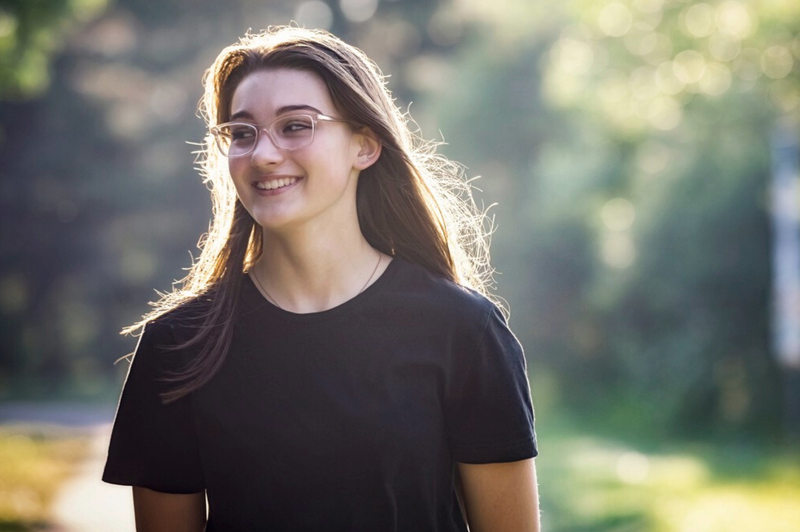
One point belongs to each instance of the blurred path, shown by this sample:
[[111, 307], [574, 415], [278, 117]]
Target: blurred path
[[84, 503], [68, 416]]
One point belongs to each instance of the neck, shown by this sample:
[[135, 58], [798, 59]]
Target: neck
[[312, 269]]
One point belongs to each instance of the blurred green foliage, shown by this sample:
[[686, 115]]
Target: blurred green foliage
[[625, 143], [31, 33], [628, 146]]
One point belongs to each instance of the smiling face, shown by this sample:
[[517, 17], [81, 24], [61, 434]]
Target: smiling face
[[313, 184]]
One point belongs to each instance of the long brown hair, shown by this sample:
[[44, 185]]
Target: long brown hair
[[412, 203]]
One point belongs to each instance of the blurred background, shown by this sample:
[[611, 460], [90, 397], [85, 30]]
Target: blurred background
[[643, 159]]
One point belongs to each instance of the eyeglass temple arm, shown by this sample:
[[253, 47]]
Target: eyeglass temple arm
[[330, 118]]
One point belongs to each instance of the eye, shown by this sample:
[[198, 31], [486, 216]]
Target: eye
[[239, 133], [295, 126]]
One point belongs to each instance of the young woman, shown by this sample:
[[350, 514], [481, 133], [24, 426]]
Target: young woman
[[332, 361]]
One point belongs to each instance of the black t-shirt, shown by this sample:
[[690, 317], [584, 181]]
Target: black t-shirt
[[351, 419]]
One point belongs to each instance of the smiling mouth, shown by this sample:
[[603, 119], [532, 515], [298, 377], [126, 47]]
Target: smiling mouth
[[276, 183]]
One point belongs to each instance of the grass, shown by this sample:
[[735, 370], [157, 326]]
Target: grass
[[33, 465], [605, 485]]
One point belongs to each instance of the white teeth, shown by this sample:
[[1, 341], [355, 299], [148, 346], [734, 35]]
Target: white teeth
[[275, 183]]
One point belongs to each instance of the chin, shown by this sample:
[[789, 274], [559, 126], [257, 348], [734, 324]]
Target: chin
[[274, 221]]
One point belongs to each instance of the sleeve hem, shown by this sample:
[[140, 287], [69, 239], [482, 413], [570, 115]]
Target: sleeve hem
[[155, 486], [515, 450]]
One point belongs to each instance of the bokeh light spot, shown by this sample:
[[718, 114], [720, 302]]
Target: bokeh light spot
[[689, 66], [615, 19], [358, 10], [618, 214], [428, 73], [699, 20], [776, 62], [736, 19], [314, 14], [126, 121]]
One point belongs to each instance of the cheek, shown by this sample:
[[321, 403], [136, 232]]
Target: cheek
[[337, 157], [237, 167]]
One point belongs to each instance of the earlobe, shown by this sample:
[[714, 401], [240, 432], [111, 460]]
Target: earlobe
[[368, 153]]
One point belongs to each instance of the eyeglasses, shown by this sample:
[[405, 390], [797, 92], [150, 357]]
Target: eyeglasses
[[237, 139]]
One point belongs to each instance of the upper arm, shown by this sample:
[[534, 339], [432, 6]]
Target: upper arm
[[169, 512], [501, 497]]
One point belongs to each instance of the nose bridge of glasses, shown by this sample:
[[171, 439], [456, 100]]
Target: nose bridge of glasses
[[254, 148], [269, 134]]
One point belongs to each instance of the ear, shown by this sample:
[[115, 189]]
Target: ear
[[369, 150]]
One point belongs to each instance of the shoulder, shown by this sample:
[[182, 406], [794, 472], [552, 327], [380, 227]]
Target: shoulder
[[178, 324], [437, 296], [163, 344]]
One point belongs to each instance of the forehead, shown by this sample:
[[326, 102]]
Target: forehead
[[263, 92]]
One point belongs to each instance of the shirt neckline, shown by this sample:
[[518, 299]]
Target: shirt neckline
[[262, 304]]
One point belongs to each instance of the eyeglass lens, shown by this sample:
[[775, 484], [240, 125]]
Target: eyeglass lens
[[288, 133]]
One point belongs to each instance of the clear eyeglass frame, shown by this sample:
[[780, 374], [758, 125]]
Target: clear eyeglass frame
[[223, 133]]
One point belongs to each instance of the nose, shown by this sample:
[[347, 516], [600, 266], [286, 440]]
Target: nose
[[265, 152]]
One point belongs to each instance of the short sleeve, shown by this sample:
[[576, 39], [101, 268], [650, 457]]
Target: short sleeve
[[153, 445], [490, 415]]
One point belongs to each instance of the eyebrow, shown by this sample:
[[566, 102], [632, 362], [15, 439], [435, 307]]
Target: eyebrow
[[281, 110]]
